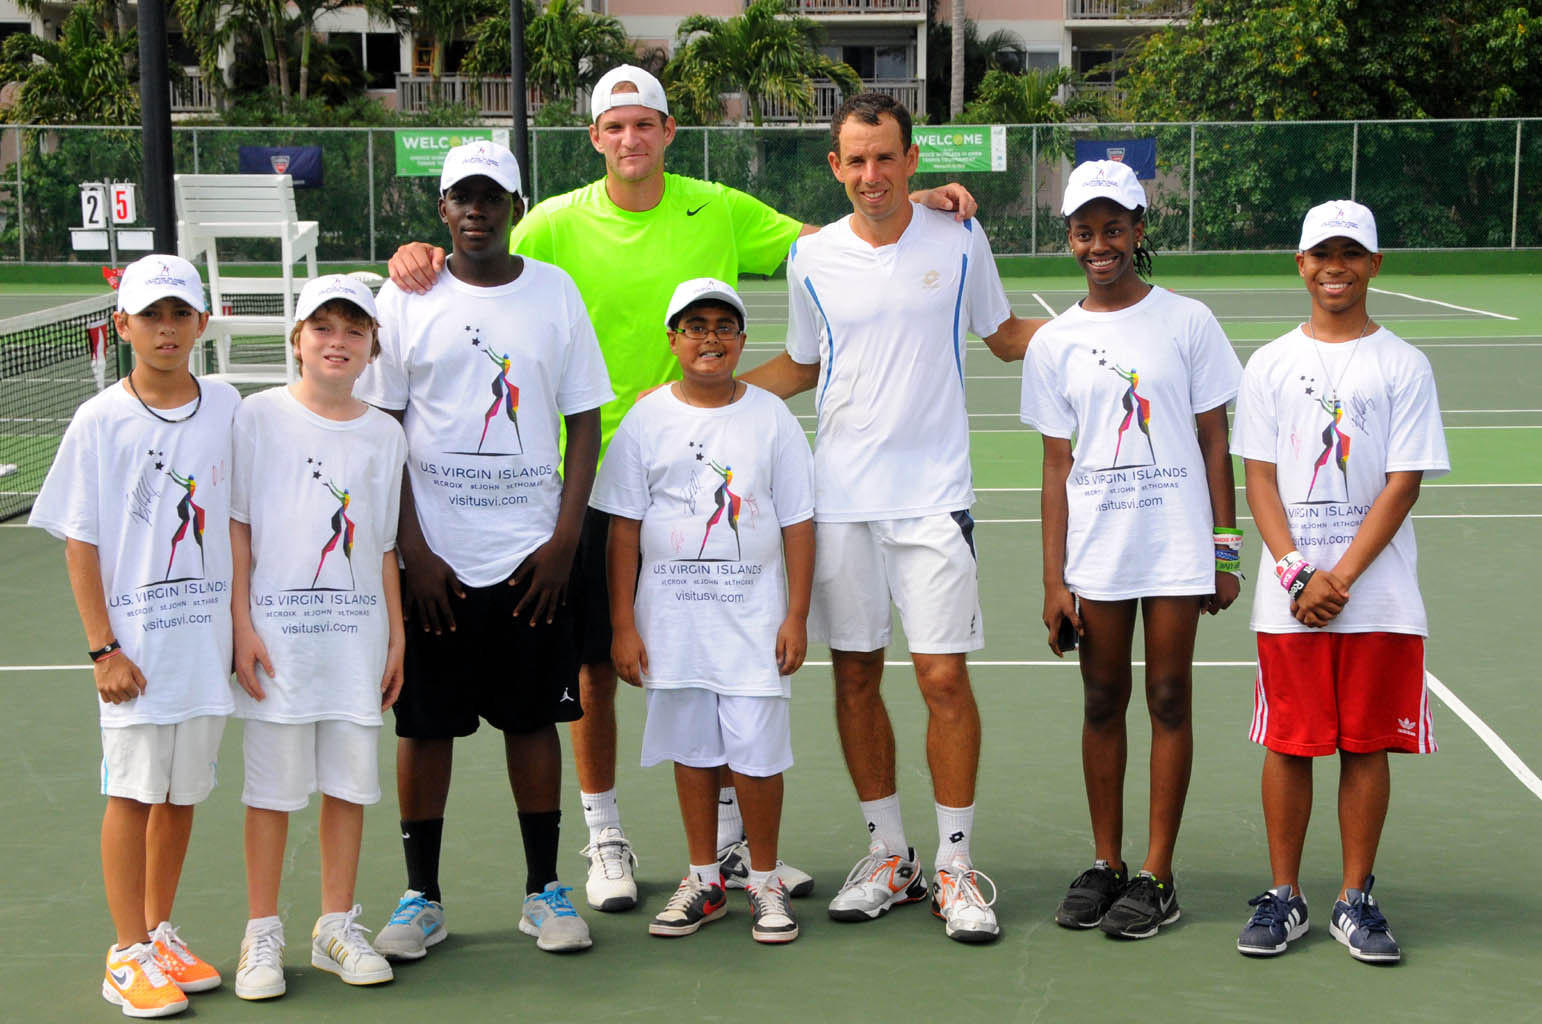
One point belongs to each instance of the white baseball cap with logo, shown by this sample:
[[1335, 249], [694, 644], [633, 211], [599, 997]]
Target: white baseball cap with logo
[[703, 289], [156, 277], [480, 157], [1341, 218], [649, 92], [1102, 179], [321, 290]]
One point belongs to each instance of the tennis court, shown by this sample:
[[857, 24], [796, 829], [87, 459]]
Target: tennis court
[[1453, 875]]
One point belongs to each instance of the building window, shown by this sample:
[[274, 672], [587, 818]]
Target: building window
[[872, 63], [382, 58]]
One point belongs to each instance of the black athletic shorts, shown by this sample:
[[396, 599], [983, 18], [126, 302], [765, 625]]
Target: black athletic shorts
[[589, 592], [517, 676]]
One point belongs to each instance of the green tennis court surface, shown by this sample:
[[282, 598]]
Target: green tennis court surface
[[1453, 877]]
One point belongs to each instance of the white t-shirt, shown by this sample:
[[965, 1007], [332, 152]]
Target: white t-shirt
[[322, 498], [154, 498], [485, 376], [1124, 388], [1332, 458], [886, 326], [713, 489]]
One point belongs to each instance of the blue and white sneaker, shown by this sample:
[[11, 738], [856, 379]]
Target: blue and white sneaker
[[1278, 920], [550, 917], [416, 924], [1358, 924]]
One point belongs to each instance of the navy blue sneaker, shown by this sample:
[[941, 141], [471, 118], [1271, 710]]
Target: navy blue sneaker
[[1278, 920], [1358, 924]]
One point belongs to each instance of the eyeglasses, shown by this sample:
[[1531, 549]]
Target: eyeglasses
[[696, 332]]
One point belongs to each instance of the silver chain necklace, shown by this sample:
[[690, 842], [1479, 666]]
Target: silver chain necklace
[[1328, 377]]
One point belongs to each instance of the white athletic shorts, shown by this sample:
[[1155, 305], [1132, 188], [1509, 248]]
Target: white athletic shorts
[[157, 764], [925, 565], [703, 729], [286, 763]]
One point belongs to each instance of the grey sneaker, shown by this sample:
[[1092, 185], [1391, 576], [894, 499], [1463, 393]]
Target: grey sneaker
[[772, 919], [878, 882], [416, 924], [550, 917]]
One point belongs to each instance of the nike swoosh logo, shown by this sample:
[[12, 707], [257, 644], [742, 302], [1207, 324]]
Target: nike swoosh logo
[[726, 803], [406, 835], [692, 213], [121, 976], [430, 928]]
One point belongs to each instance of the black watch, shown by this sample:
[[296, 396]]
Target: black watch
[[102, 652]]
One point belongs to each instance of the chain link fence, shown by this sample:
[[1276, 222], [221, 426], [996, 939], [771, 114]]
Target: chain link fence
[[1218, 187]]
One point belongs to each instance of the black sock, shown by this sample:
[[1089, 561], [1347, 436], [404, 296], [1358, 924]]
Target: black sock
[[420, 842], [539, 829]]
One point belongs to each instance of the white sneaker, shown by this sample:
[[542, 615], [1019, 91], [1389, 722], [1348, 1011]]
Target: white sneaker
[[733, 861], [416, 924], [611, 885], [260, 971], [956, 898], [550, 917], [878, 882], [772, 918], [338, 945]]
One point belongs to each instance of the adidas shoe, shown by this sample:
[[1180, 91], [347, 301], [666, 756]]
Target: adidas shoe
[[1278, 920], [178, 962], [878, 882], [733, 861], [550, 917], [1358, 924], [610, 886], [416, 924], [260, 971], [339, 947], [693, 905], [1146, 905], [135, 982], [1090, 896], [771, 917], [957, 900]]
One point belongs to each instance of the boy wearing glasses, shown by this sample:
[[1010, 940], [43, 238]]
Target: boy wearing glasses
[[709, 485]]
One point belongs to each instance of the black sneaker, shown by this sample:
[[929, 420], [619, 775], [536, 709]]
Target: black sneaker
[[1146, 905], [1090, 896]]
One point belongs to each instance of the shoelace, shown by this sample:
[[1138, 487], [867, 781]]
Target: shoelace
[[1144, 888], [1272, 911], [265, 947], [966, 888], [166, 934], [353, 933], [685, 895], [614, 855], [771, 901], [1366, 916], [865, 869], [408, 909], [557, 901], [1093, 876], [144, 955]]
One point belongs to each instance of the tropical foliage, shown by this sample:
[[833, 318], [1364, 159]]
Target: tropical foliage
[[88, 76], [1031, 97], [567, 49]]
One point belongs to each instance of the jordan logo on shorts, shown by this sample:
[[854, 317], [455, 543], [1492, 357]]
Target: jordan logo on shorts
[[565, 696]]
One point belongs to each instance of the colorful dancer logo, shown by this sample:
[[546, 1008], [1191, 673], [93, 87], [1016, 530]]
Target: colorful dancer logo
[[1334, 442], [724, 498], [1137, 409], [505, 393], [342, 529], [189, 512]]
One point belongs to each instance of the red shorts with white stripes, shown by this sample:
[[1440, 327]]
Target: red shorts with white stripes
[[1319, 692]]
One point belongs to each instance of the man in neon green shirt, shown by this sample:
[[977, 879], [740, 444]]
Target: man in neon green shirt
[[628, 240]]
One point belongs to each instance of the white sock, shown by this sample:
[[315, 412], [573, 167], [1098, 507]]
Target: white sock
[[954, 824], [730, 823], [601, 812], [258, 924], [885, 830], [758, 880], [708, 874]]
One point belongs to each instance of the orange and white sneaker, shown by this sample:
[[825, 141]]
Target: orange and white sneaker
[[136, 982], [956, 898], [189, 972], [879, 881]]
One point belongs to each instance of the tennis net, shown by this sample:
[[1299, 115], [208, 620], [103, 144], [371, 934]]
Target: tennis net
[[50, 362]]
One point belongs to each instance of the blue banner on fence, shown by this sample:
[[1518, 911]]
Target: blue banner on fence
[[1140, 154], [302, 163]]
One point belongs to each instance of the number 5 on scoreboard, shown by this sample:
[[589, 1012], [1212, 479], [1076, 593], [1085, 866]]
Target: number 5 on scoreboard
[[123, 203]]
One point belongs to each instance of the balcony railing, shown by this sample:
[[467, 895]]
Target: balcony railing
[[192, 95], [1140, 10], [817, 7], [827, 97], [491, 96]]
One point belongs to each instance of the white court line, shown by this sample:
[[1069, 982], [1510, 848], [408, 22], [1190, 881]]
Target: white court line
[[1508, 757], [1249, 519], [1475, 426], [1047, 307], [1448, 305], [1240, 487]]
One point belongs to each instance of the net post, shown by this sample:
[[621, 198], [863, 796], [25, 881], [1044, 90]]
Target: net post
[[1515, 190]]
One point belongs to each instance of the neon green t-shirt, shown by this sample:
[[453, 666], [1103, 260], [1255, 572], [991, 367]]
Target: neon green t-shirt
[[627, 265]]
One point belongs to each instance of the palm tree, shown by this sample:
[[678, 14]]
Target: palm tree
[[760, 53], [310, 10], [567, 49], [956, 60], [211, 25], [88, 76], [1030, 98]]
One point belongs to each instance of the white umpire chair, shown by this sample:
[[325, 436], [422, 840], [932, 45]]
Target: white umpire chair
[[211, 207]]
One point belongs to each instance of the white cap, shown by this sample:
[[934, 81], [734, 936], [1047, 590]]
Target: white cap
[[1102, 179], [319, 291], [1342, 218], [480, 157], [703, 289], [155, 277], [649, 92]]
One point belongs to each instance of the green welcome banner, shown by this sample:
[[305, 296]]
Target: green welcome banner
[[954, 148], [420, 152]]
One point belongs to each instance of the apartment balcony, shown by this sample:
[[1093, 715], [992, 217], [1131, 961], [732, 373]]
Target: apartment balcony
[[901, 10], [491, 96], [1143, 13], [193, 94], [827, 97]]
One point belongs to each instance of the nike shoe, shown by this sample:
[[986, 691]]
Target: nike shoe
[[956, 898], [877, 883], [339, 947], [733, 861], [260, 971], [611, 885], [178, 962], [550, 917], [1279, 918], [771, 917], [1357, 923], [416, 924], [1090, 896], [1146, 905], [693, 905], [135, 982]]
